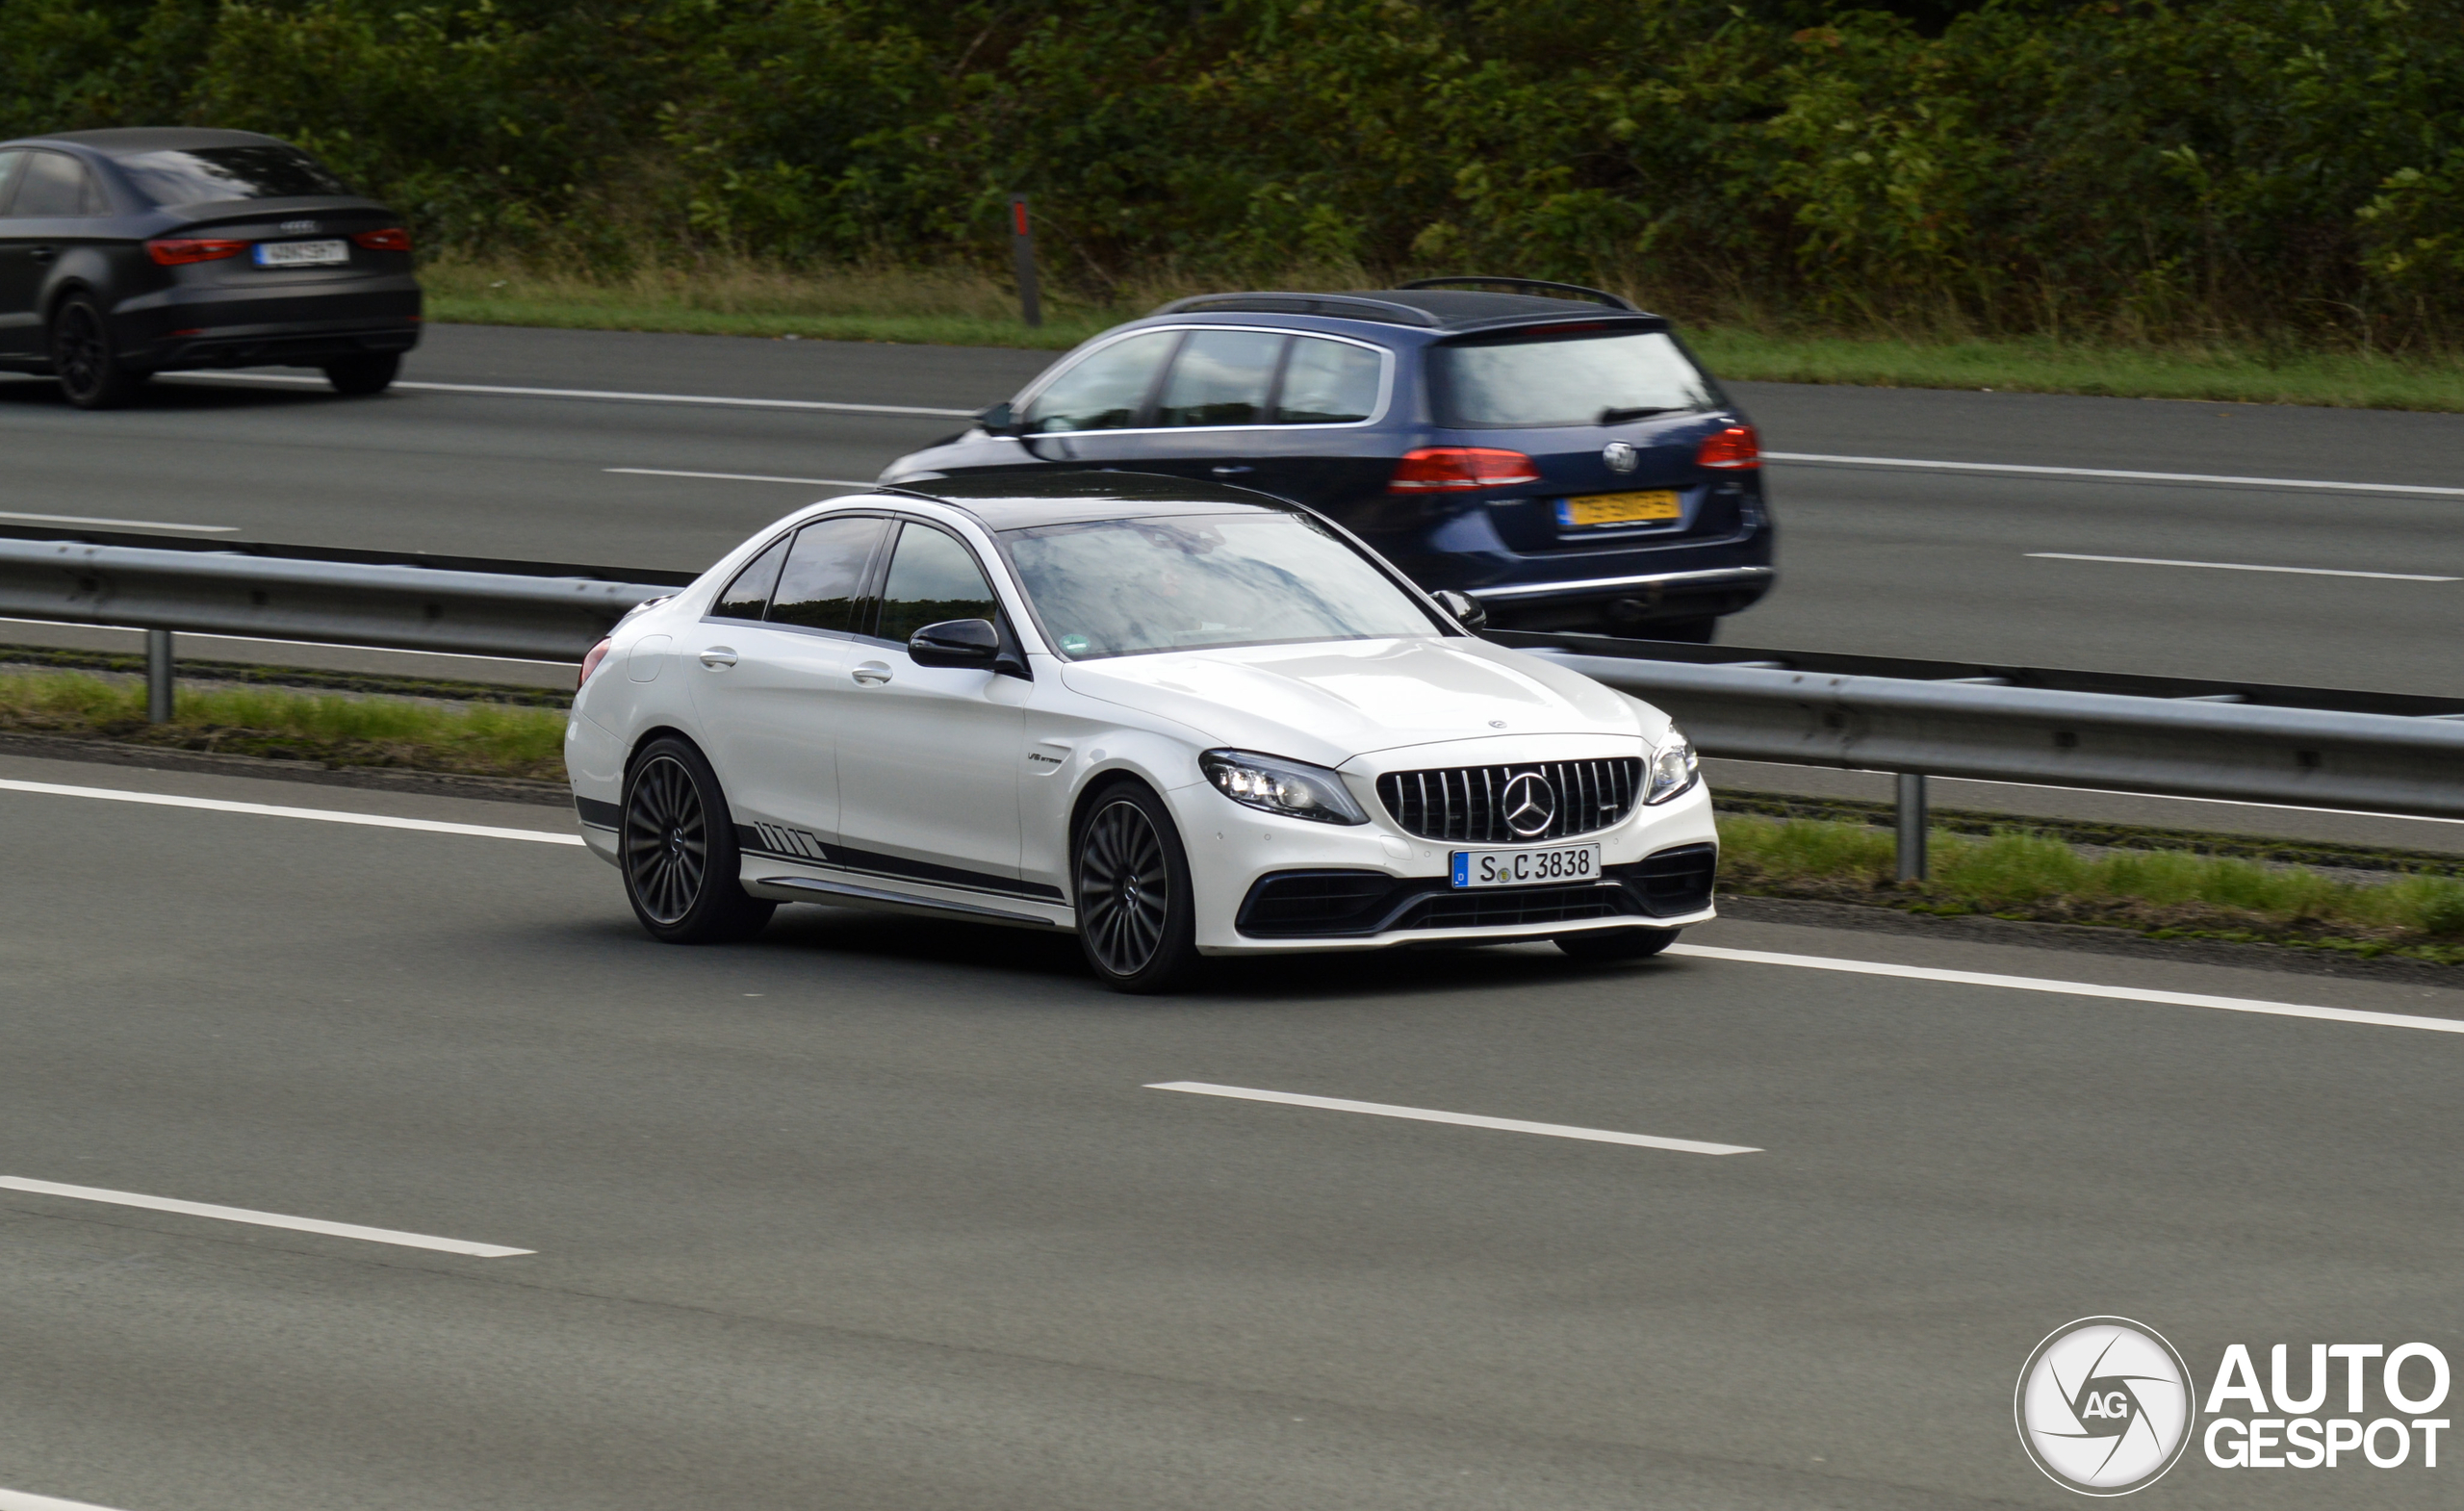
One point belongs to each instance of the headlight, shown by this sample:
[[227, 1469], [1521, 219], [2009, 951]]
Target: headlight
[[1281, 786], [1674, 769]]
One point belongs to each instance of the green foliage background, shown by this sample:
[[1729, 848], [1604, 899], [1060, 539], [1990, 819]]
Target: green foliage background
[[2293, 167]]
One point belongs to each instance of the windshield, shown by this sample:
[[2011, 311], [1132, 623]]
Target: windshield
[[1562, 380], [199, 175], [1121, 587]]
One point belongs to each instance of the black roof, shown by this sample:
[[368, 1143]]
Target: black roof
[[1016, 501], [1430, 308], [128, 141]]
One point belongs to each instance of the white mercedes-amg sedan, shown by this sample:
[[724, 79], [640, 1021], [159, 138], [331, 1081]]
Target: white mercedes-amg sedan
[[1177, 719]]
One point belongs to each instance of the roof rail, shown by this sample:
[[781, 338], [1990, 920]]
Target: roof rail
[[1349, 306], [1602, 296]]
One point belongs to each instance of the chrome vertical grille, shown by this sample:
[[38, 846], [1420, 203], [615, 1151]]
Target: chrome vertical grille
[[1466, 805]]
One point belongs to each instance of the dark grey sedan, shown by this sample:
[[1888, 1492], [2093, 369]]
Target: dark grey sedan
[[131, 252]]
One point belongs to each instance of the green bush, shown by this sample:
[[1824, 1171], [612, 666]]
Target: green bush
[[2140, 170]]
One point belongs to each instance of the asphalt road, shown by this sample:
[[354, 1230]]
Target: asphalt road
[[1887, 560], [874, 1213]]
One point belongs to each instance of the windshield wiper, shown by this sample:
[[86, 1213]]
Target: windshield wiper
[[1614, 416]]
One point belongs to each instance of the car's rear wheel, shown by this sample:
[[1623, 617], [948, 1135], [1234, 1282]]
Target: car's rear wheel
[[370, 374], [1617, 944], [1136, 921], [92, 376], [681, 862]]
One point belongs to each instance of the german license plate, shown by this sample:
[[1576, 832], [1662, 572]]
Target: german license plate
[[1618, 508], [301, 254], [1527, 867]]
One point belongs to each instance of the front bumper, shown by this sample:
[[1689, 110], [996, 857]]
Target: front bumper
[[1378, 887]]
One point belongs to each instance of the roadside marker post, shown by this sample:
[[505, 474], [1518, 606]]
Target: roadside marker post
[[1022, 252]]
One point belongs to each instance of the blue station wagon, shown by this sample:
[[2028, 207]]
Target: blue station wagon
[[1555, 454]]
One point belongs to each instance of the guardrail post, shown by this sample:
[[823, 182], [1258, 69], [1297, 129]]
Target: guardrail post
[[1911, 826], [1022, 254], [158, 677]]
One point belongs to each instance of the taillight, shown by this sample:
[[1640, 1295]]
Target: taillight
[[590, 663], [1461, 467], [1734, 448], [172, 251], [392, 239]]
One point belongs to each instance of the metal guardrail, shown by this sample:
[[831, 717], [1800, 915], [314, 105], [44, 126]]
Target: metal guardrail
[[359, 598], [2191, 744], [2373, 752]]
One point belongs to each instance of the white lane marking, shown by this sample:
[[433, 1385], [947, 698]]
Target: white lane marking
[[263, 1219], [608, 393], [22, 1501], [1424, 1115], [738, 477], [273, 810], [2236, 566], [142, 524], [2106, 472], [2073, 988]]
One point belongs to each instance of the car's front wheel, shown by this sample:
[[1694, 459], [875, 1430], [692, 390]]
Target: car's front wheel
[[370, 373], [680, 861], [92, 376], [1616, 944], [1136, 921]]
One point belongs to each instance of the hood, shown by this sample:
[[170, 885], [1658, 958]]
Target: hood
[[1328, 701]]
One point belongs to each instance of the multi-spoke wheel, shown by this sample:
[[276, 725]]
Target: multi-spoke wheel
[[89, 375], [679, 854], [1616, 944], [1134, 915]]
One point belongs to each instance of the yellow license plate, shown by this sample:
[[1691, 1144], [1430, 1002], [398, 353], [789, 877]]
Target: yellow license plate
[[1618, 508]]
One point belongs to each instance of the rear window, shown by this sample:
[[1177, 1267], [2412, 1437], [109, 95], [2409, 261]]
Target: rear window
[[1588, 379], [199, 175]]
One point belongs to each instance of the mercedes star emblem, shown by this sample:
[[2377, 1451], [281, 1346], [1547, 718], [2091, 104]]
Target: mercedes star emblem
[[1620, 455], [1531, 806]]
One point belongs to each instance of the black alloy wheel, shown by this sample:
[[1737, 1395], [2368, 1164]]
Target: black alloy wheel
[[89, 375], [678, 850], [1617, 944], [1134, 919], [371, 373]]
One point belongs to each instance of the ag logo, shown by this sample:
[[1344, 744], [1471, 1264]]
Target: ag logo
[[1620, 455], [2104, 1406], [299, 227]]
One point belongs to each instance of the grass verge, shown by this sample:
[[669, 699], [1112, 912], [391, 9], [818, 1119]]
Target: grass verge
[[2165, 894], [962, 307], [481, 739]]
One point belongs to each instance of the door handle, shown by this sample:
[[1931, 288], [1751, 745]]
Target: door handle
[[1230, 470], [43, 254], [718, 658], [871, 674]]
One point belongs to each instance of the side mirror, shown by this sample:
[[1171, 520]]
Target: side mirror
[[1465, 609], [999, 420], [955, 641]]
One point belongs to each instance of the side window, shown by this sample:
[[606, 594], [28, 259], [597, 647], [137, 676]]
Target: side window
[[1221, 378], [8, 161], [931, 577], [825, 572], [1328, 382], [749, 595], [1106, 389], [53, 184]]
